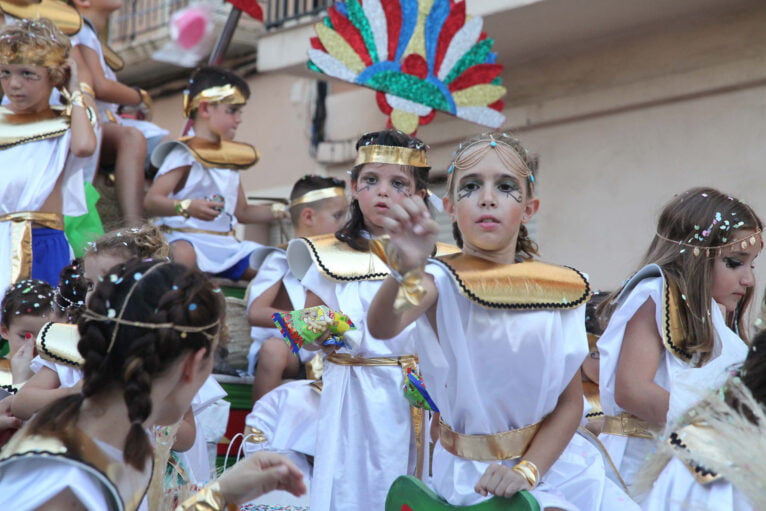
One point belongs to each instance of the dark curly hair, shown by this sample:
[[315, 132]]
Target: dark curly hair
[[132, 356]]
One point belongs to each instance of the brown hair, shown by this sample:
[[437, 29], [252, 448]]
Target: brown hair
[[525, 248], [145, 242], [306, 184], [36, 43], [149, 292], [694, 228], [351, 232], [29, 297]]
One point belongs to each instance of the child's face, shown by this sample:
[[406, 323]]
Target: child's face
[[224, 120], [489, 204], [96, 266], [28, 88], [733, 272], [378, 187], [328, 217], [23, 329]]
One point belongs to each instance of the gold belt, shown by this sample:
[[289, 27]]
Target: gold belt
[[626, 424], [418, 417], [21, 238], [166, 228], [507, 445]]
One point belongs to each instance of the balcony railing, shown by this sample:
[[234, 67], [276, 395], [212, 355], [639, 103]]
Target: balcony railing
[[142, 21], [277, 12]]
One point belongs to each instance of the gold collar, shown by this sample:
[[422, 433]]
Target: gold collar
[[64, 16], [57, 342], [696, 438], [530, 285], [224, 155], [17, 129], [123, 485]]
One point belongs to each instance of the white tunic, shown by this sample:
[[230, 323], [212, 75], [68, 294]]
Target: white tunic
[[214, 253], [364, 419], [271, 263], [29, 175], [675, 489], [492, 370]]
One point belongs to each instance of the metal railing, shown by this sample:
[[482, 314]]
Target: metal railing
[[140, 21], [277, 12]]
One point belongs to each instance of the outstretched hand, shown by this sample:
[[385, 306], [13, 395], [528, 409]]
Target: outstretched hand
[[258, 474], [412, 231]]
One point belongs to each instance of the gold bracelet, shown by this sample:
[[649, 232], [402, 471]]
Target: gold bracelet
[[279, 211], [76, 99], [208, 498], [87, 89], [528, 471], [411, 291], [146, 99], [182, 207]]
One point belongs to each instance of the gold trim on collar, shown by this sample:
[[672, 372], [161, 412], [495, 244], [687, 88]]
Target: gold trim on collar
[[57, 342], [226, 94], [393, 155], [17, 129], [111, 57], [340, 263], [695, 438], [673, 330], [64, 16], [317, 195], [529, 285]]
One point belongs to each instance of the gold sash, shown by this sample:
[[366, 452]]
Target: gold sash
[[21, 238], [167, 228], [416, 414], [626, 424], [529, 285], [508, 445]]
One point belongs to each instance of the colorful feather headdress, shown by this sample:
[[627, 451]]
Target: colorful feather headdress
[[419, 55]]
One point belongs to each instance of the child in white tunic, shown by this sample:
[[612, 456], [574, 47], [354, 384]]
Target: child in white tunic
[[672, 336], [197, 196], [148, 336], [318, 206], [365, 425], [38, 184], [501, 339]]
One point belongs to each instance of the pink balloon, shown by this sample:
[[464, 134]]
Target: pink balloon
[[189, 27]]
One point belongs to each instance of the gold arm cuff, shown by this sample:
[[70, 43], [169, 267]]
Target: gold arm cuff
[[208, 498], [626, 424], [528, 471], [254, 435], [317, 195], [165, 228], [146, 99], [392, 155], [87, 89], [507, 445], [411, 291], [21, 238]]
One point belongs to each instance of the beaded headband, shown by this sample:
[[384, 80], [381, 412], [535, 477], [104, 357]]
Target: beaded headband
[[227, 94], [507, 154], [112, 317], [697, 250], [317, 195], [394, 155]]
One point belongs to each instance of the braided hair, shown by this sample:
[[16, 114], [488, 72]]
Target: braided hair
[[131, 356]]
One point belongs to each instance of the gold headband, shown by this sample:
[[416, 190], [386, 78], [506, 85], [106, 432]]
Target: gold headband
[[227, 94], [741, 243], [316, 195], [393, 155]]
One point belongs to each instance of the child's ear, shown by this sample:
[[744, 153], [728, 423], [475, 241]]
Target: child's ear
[[530, 209], [203, 110], [354, 189], [449, 206], [81, 3], [4, 331], [192, 364], [421, 193], [307, 217]]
